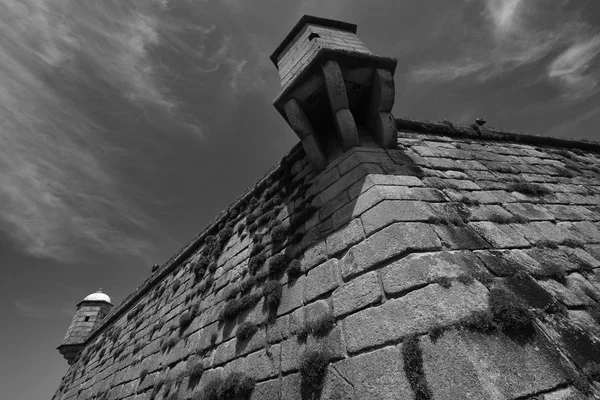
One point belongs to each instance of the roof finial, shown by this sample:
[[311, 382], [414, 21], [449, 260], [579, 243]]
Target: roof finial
[[99, 290]]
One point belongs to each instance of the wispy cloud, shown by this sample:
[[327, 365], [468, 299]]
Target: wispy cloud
[[513, 33], [572, 68], [57, 186], [35, 308]]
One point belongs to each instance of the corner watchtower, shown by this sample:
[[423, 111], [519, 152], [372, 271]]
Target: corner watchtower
[[336, 94], [90, 311]]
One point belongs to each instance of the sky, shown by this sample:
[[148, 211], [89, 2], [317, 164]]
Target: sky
[[127, 126]]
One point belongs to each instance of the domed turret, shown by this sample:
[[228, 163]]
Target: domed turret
[[90, 311], [98, 296]]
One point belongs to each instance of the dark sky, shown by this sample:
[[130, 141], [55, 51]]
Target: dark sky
[[126, 126]]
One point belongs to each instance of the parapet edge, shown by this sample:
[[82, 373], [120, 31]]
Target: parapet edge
[[474, 131]]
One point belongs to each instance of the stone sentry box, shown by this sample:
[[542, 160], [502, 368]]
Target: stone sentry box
[[336, 93]]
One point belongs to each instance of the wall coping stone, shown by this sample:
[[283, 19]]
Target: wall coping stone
[[491, 133]]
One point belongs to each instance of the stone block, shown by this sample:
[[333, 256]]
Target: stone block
[[485, 212], [345, 237], [291, 296], [296, 321], [363, 157], [290, 350], [571, 213], [332, 343], [474, 366], [324, 180], [460, 237], [278, 330], [417, 270], [345, 181], [390, 211], [499, 236], [225, 352], [397, 239], [530, 211], [565, 295], [314, 255], [321, 279], [264, 363], [314, 153], [346, 129], [334, 83], [333, 205], [502, 262], [385, 131], [267, 390], [416, 312], [356, 294], [290, 387], [375, 375]]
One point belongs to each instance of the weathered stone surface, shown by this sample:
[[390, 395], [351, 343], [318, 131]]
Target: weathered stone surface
[[290, 350], [334, 82], [345, 237], [345, 181], [499, 236], [566, 296], [264, 363], [506, 262], [486, 211], [267, 390], [370, 378], [417, 270], [530, 211], [356, 294], [416, 312], [564, 394], [321, 279], [314, 255], [291, 296], [361, 157], [392, 241], [476, 366], [390, 211], [290, 387], [346, 128], [460, 237]]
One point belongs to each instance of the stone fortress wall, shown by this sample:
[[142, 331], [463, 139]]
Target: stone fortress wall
[[462, 264]]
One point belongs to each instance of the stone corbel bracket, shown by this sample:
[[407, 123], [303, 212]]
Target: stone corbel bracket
[[335, 71]]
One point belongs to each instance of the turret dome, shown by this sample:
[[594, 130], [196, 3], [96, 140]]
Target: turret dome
[[98, 296]]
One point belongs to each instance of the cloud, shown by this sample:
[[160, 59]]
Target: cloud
[[572, 68], [35, 308], [513, 33], [59, 191]]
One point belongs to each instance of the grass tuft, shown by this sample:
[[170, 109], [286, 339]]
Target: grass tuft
[[277, 263], [246, 331], [255, 263], [143, 374], [317, 327], [504, 219], [468, 201], [279, 233], [466, 279], [413, 368], [272, 291], [546, 243], [313, 368], [508, 312], [551, 270], [528, 188], [444, 282], [573, 243], [294, 269]]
